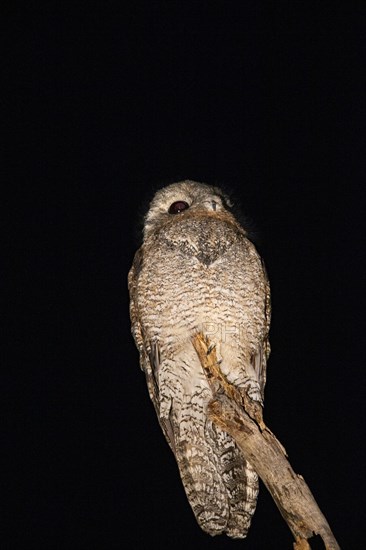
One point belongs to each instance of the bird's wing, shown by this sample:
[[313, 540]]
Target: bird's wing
[[149, 351], [259, 359]]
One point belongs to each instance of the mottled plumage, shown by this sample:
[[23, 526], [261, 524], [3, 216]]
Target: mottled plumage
[[197, 271]]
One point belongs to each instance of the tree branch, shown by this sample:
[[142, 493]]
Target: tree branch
[[240, 417]]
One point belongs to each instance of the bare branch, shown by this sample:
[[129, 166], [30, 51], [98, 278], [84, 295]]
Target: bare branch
[[242, 419]]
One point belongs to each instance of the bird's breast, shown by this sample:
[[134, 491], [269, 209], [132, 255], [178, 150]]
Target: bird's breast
[[204, 238], [200, 274]]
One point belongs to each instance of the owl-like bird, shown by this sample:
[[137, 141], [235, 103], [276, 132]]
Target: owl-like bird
[[197, 271]]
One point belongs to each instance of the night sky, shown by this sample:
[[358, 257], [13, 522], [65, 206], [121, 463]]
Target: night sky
[[104, 106]]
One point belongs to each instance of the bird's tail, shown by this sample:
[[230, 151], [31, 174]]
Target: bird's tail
[[220, 485]]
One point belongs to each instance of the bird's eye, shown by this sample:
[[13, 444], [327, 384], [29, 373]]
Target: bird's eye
[[178, 206]]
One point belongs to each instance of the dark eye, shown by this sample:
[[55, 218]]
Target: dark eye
[[178, 206]]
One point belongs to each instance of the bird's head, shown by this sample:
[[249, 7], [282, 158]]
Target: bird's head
[[186, 199]]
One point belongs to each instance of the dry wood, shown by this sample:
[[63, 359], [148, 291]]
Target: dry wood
[[241, 418]]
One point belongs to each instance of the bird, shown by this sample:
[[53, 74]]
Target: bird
[[197, 271]]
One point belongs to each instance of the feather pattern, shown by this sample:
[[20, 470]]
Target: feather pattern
[[197, 271]]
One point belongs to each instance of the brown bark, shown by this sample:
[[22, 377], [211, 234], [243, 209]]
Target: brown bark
[[242, 419]]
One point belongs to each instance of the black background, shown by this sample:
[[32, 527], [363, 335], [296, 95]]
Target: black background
[[101, 107]]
